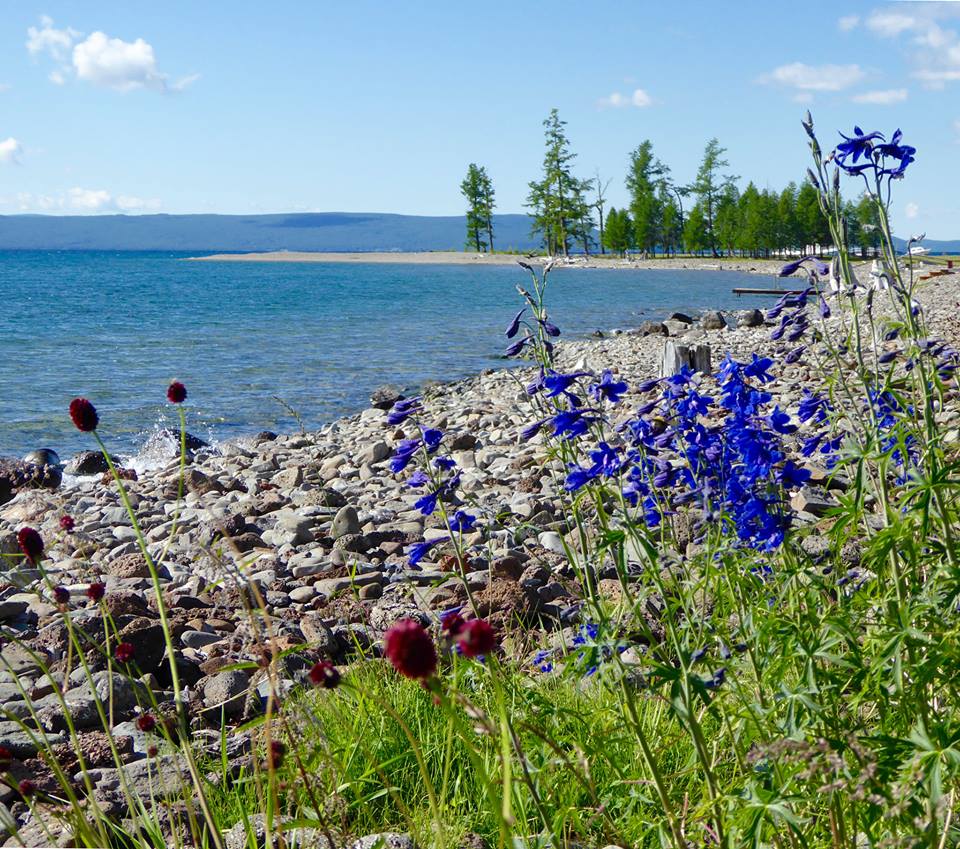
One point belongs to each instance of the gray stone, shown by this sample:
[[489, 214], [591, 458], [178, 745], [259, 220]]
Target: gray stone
[[226, 691], [385, 840], [87, 463], [345, 522], [713, 320], [749, 318], [653, 328], [301, 595], [375, 453], [199, 639]]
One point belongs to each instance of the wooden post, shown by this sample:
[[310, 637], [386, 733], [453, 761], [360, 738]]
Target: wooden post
[[676, 356]]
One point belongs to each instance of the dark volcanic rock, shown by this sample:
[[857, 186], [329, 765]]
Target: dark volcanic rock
[[88, 463], [384, 397], [16, 475]]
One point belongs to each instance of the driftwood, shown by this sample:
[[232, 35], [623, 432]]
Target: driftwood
[[676, 356]]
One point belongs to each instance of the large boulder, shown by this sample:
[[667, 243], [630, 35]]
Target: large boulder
[[713, 320], [749, 318], [16, 475], [88, 463]]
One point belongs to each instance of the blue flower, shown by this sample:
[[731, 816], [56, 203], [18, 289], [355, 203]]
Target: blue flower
[[549, 328], [462, 522], [418, 479], [431, 439], [403, 454], [559, 384], [514, 325], [812, 407], [608, 388], [572, 423], [792, 476], [532, 430], [427, 503], [444, 463], [402, 410], [419, 550], [516, 347], [855, 146]]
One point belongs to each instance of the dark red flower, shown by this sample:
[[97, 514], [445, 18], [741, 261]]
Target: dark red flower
[[61, 595], [409, 648], [67, 523], [276, 753], [152, 752], [477, 637], [176, 392], [5, 757], [124, 652], [84, 414], [452, 624], [146, 722], [31, 543], [95, 591], [27, 787], [325, 674]]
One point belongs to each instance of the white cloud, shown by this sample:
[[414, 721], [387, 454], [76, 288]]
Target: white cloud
[[101, 60], [815, 77], [803, 97], [639, 98], [10, 151], [890, 24], [48, 39], [884, 97], [933, 49], [117, 64], [81, 201], [912, 210], [848, 22]]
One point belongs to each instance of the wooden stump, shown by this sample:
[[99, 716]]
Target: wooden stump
[[676, 356]]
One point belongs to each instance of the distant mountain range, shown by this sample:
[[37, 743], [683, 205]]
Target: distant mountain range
[[320, 231]]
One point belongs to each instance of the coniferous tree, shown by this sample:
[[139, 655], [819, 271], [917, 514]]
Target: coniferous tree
[[695, 231], [727, 222], [472, 188], [553, 198], [488, 204], [788, 234], [868, 219], [811, 222], [645, 175], [619, 231], [709, 185], [671, 227]]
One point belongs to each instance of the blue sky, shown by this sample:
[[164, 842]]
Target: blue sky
[[246, 107]]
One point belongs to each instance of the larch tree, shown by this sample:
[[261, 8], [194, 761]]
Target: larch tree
[[709, 185], [472, 189], [554, 197]]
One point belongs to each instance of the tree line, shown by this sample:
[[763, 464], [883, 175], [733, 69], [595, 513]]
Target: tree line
[[710, 215]]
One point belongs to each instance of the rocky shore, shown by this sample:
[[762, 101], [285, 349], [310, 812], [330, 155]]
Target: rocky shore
[[316, 526]]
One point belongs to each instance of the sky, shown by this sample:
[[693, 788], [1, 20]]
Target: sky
[[247, 107]]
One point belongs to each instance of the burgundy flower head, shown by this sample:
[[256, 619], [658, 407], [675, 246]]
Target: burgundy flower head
[[67, 523], [477, 637], [146, 722], [31, 543], [411, 651], [124, 652], [452, 623], [61, 595], [276, 753], [152, 752], [176, 392], [95, 591], [325, 674], [27, 787], [5, 757], [84, 414]]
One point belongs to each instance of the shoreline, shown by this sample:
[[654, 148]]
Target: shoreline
[[755, 266]]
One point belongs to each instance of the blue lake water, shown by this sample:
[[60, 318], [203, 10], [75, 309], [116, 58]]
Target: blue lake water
[[117, 327]]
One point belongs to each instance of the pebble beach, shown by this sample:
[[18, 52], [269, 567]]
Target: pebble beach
[[317, 526]]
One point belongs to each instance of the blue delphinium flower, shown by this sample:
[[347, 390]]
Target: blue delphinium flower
[[514, 325], [403, 454], [608, 388], [419, 550], [462, 522], [572, 423], [402, 410], [559, 384]]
